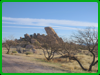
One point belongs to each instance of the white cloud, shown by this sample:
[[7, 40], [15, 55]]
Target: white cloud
[[68, 28], [22, 27], [45, 22], [62, 28]]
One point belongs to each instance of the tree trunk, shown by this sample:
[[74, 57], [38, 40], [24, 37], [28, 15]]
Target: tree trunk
[[74, 58], [90, 68], [8, 51], [48, 59], [95, 62]]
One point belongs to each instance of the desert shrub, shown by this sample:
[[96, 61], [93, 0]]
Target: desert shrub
[[77, 67], [68, 66], [57, 60], [46, 46], [8, 44], [14, 51], [36, 43], [27, 53], [18, 48]]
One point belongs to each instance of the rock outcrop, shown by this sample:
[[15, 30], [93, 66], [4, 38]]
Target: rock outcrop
[[33, 40], [52, 39], [29, 46], [51, 36], [29, 50], [27, 37], [50, 31], [34, 35]]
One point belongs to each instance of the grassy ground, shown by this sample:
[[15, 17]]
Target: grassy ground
[[59, 63]]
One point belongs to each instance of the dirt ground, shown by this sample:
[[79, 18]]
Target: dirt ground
[[17, 64]]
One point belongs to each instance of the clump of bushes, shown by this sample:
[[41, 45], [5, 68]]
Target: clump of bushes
[[14, 51], [36, 43], [27, 53], [57, 60]]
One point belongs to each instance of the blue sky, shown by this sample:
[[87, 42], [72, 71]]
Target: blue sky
[[19, 18]]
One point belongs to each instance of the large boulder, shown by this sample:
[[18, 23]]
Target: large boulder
[[29, 50], [20, 38], [27, 37], [34, 51], [52, 34], [50, 31], [34, 35], [19, 49]]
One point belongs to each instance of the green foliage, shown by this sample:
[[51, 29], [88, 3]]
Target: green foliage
[[14, 51], [27, 53], [36, 43]]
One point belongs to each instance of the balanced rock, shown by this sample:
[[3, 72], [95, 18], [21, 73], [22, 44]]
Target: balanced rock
[[52, 34], [50, 31]]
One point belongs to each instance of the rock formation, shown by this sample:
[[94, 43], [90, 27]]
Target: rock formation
[[20, 37], [50, 31], [34, 35], [29, 47], [27, 37], [33, 40], [52, 39], [51, 36]]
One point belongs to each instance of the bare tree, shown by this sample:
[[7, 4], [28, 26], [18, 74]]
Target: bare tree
[[50, 47], [48, 51], [68, 49], [89, 38], [8, 43]]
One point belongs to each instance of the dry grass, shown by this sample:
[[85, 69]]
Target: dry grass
[[71, 67], [57, 60], [85, 60], [63, 63]]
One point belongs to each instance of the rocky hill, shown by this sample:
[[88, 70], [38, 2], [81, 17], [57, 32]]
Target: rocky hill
[[37, 38]]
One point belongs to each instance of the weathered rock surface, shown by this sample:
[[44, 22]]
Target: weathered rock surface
[[27, 37], [34, 51], [20, 37], [19, 49], [34, 35], [33, 40], [51, 36], [29, 50], [29, 46], [52, 39], [50, 31]]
